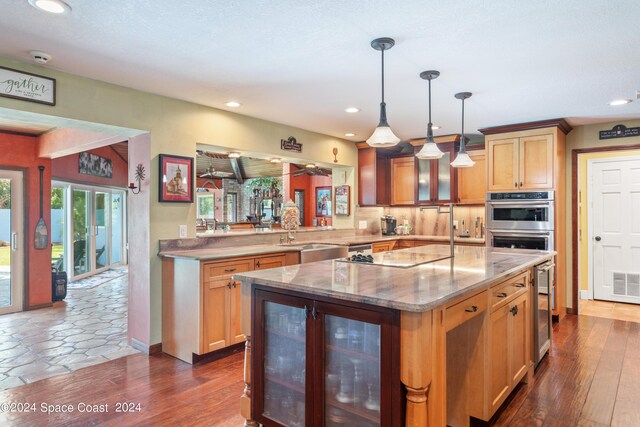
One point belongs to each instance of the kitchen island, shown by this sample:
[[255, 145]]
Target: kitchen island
[[417, 341]]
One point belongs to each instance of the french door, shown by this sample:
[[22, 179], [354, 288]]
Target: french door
[[94, 229], [11, 241]]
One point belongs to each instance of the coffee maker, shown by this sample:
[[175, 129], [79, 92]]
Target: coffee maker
[[388, 225]]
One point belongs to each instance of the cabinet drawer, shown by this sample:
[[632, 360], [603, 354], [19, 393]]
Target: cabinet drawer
[[272, 261], [459, 313], [508, 290], [212, 271], [382, 247]]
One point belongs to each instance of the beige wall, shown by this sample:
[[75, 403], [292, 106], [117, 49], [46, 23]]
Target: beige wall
[[583, 137], [175, 128]]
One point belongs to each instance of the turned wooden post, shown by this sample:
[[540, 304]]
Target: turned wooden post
[[245, 400], [417, 409]]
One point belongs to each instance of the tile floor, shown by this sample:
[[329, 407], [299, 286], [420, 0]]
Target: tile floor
[[90, 327], [610, 310]]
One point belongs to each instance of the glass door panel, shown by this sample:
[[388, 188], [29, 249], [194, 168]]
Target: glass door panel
[[117, 227], [102, 229], [444, 177], [58, 228], [352, 372], [81, 227], [284, 363], [424, 180], [11, 252]]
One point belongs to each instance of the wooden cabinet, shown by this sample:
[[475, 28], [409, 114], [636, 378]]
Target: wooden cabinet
[[324, 362], [373, 177], [403, 181], [272, 261], [524, 163], [383, 246], [472, 182], [215, 316], [499, 377]]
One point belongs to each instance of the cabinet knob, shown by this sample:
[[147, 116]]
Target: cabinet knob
[[473, 309], [502, 295], [514, 310], [229, 285], [515, 185], [258, 264], [234, 284]]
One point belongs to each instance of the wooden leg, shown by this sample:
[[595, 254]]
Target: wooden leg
[[245, 400], [417, 413]]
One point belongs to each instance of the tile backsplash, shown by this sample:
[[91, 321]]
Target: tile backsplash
[[426, 222]]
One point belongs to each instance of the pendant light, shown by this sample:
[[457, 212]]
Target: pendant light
[[382, 135], [462, 159], [430, 149]]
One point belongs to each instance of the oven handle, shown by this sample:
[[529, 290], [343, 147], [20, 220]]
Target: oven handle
[[521, 233], [520, 205]]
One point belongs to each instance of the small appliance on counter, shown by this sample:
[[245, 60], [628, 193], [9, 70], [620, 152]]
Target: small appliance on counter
[[388, 225]]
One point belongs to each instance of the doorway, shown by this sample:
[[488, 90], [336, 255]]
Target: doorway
[[614, 229], [11, 241], [298, 200]]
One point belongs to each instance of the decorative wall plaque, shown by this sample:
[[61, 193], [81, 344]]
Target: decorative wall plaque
[[291, 145], [619, 131], [27, 87], [91, 164]]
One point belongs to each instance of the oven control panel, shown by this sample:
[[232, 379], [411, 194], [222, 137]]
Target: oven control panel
[[528, 195]]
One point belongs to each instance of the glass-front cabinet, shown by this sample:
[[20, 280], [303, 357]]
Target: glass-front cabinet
[[325, 364], [436, 178]]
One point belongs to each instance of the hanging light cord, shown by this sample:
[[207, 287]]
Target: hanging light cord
[[383, 75], [462, 148]]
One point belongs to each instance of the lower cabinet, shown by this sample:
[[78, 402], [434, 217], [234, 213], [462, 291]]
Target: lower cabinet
[[383, 246], [324, 363]]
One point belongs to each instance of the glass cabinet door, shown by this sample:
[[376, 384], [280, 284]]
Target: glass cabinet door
[[285, 364], [424, 180], [444, 177], [351, 372]]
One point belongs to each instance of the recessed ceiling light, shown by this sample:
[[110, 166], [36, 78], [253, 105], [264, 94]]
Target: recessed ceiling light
[[233, 155], [276, 160], [352, 110], [616, 102], [311, 166], [51, 6], [435, 127], [232, 104], [350, 134]]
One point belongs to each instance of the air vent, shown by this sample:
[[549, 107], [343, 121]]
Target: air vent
[[626, 284]]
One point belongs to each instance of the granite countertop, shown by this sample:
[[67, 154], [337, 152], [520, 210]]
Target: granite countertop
[[228, 252], [235, 233], [357, 240], [416, 289]]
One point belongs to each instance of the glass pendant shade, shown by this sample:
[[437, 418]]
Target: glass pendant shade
[[429, 151], [462, 161], [382, 137]]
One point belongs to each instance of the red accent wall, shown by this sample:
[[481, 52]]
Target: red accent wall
[[21, 152], [66, 168], [308, 183]]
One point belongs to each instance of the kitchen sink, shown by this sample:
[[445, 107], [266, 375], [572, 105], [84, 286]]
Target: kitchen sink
[[313, 252]]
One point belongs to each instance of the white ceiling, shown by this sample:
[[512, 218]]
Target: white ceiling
[[303, 62]]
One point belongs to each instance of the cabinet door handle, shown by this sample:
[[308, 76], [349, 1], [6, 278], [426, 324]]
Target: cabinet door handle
[[230, 270], [307, 311], [314, 313], [473, 309], [515, 185], [502, 295], [229, 285], [520, 184], [514, 310], [258, 264], [234, 284], [519, 285]]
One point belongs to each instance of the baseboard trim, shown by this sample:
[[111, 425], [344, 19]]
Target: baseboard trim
[[218, 354], [146, 349], [39, 306], [584, 294]]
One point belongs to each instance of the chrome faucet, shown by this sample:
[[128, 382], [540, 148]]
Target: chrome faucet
[[288, 238]]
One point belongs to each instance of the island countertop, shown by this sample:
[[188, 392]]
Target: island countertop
[[416, 289]]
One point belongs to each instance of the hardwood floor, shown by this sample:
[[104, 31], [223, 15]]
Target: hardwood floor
[[610, 310], [591, 378]]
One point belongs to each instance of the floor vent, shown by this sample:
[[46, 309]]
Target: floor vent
[[626, 284]]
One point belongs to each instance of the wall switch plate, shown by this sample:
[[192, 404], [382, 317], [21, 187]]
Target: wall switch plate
[[455, 225], [362, 225], [183, 231]]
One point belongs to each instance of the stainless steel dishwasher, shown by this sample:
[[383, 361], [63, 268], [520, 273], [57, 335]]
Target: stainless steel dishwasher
[[543, 289]]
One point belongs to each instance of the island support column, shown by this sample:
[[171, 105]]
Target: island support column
[[245, 320], [418, 355]]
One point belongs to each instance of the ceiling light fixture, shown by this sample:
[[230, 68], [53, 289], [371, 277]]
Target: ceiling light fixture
[[311, 166], [233, 104], [382, 135], [52, 6], [352, 110], [275, 160], [617, 102], [430, 149], [435, 127], [233, 155], [349, 134], [462, 159]]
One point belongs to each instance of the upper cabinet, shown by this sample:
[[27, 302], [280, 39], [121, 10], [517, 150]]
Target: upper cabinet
[[436, 178], [373, 177], [521, 163], [472, 182], [403, 181]]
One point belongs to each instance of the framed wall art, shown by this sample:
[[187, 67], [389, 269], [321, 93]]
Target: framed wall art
[[27, 87], [343, 200], [323, 202], [92, 164], [176, 179]]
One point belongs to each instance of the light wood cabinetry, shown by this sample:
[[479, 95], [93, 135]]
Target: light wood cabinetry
[[201, 303], [525, 163], [403, 181], [531, 157], [383, 246], [472, 182]]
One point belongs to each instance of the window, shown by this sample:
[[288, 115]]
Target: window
[[231, 207], [205, 205]]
